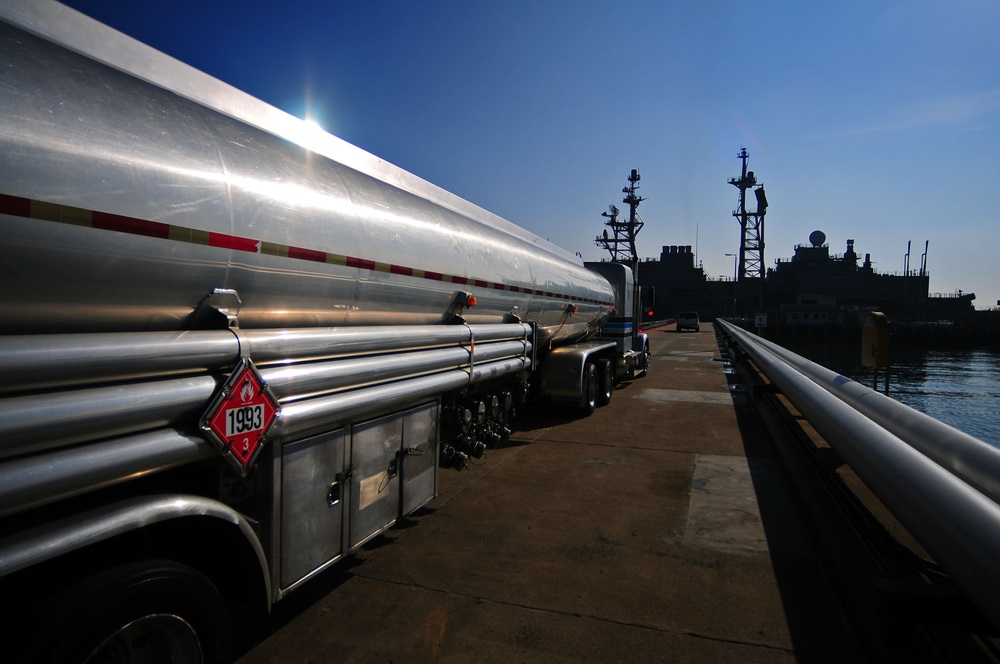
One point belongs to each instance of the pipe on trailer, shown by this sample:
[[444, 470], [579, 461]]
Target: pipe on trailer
[[48, 420], [135, 419], [267, 345], [44, 361], [299, 381], [41, 479], [300, 419], [958, 525], [42, 422]]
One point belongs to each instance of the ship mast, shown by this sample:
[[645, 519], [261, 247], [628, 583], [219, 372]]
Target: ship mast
[[751, 257], [621, 242]]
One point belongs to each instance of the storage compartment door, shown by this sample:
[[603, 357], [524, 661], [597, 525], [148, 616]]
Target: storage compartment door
[[375, 446], [419, 458], [311, 517]]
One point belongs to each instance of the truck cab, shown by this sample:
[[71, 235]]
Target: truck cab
[[622, 325], [587, 372]]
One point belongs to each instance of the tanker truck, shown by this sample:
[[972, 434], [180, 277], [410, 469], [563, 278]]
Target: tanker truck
[[236, 348]]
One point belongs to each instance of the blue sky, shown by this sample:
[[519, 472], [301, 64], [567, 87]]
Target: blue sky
[[870, 120]]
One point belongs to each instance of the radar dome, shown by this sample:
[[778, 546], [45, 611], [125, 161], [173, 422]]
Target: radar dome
[[817, 238]]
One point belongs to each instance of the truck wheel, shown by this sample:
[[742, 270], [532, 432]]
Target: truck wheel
[[606, 381], [588, 389], [149, 611]]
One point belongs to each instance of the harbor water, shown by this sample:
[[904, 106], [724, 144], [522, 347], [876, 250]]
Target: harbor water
[[958, 386]]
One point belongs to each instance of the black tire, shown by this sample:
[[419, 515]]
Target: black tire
[[588, 389], [605, 381], [150, 611]]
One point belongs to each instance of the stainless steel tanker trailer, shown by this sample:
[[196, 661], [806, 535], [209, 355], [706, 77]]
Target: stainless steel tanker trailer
[[235, 348]]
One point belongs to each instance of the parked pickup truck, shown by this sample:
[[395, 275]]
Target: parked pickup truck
[[688, 320]]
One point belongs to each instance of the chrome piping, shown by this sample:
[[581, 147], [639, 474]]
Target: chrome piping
[[975, 461], [47, 424], [326, 343], [304, 418], [38, 422], [35, 423], [955, 523], [42, 361], [299, 381], [41, 479]]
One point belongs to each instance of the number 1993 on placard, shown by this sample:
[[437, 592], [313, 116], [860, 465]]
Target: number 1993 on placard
[[245, 419]]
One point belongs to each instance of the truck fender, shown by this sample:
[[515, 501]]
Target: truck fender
[[640, 344], [563, 368], [21, 550]]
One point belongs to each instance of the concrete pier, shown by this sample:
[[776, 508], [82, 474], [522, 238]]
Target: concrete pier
[[657, 529]]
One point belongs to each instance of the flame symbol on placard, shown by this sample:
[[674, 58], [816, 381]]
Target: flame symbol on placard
[[247, 392]]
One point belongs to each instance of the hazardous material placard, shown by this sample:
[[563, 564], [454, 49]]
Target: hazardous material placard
[[240, 415]]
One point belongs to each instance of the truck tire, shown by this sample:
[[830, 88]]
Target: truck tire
[[588, 389], [605, 381], [148, 611]]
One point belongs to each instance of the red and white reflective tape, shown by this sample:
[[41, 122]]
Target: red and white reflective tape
[[65, 214]]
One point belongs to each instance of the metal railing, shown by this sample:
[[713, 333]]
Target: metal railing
[[943, 485]]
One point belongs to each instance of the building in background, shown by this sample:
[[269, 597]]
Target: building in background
[[813, 288]]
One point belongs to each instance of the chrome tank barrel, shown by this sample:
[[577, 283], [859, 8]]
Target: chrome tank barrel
[[124, 204]]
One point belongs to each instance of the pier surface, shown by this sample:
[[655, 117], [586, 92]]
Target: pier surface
[[657, 529]]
